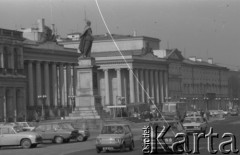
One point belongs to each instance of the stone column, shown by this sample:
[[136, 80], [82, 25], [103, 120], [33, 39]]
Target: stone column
[[131, 84], [146, 86], [46, 83], [152, 86], [39, 82], [142, 85], [119, 83], [30, 84], [106, 79], [69, 81], [157, 87], [15, 105], [137, 80], [161, 86], [54, 84], [166, 84], [61, 85], [4, 105]]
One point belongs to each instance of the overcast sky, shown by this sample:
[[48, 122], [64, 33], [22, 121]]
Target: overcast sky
[[202, 28]]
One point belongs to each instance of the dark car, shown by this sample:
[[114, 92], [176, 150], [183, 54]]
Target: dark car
[[57, 132], [164, 145], [234, 112]]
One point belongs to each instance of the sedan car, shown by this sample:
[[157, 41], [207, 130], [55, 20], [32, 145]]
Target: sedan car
[[195, 124], [13, 136], [27, 126], [115, 136], [234, 112], [56, 132]]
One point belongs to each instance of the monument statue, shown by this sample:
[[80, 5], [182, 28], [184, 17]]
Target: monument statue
[[86, 40]]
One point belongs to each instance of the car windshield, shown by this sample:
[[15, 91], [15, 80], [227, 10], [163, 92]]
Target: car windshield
[[193, 119], [66, 126], [112, 130], [175, 125]]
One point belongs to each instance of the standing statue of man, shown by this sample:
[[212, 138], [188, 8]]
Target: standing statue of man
[[86, 40]]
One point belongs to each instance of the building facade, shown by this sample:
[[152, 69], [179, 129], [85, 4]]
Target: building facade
[[37, 77], [201, 84]]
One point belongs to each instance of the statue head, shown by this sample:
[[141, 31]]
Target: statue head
[[88, 23]]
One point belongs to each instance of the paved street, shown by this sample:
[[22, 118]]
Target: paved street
[[231, 124]]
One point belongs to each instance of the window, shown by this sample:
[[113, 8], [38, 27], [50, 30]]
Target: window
[[7, 131], [40, 128], [16, 59], [48, 127], [5, 57]]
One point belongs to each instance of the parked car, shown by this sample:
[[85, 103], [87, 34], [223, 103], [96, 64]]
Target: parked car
[[195, 124], [57, 132], [27, 126], [14, 136], [115, 136], [234, 112], [169, 137], [84, 133], [213, 113]]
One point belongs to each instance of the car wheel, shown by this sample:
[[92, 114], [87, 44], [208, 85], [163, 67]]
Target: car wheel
[[98, 150], [131, 146], [58, 140], [80, 138], [123, 148], [33, 145], [26, 143]]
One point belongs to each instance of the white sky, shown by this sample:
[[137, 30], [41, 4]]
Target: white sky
[[204, 28]]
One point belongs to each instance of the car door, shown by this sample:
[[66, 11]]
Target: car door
[[41, 130], [8, 136], [49, 132]]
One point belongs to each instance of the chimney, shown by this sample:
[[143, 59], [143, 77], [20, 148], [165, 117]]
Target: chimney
[[53, 29], [134, 33], [192, 58], [210, 60], [41, 24]]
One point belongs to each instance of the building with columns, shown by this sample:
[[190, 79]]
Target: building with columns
[[37, 77], [135, 74], [201, 84], [12, 78]]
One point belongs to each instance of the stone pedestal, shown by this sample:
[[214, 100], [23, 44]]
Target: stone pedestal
[[87, 99]]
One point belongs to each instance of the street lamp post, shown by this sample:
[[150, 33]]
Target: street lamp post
[[218, 102], [194, 103], [167, 100], [206, 100], [118, 98], [183, 99], [72, 98], [43, 97]]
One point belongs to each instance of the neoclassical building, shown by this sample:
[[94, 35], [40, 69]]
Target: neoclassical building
[[201, 84], [37, 78], [132, 73]]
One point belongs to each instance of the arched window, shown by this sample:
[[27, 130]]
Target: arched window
[[5, 57]]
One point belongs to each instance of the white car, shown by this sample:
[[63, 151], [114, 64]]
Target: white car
[[26, 126], [13, 136], [195, 124]]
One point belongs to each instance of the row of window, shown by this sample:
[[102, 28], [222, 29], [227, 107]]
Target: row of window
[[11, 59]]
